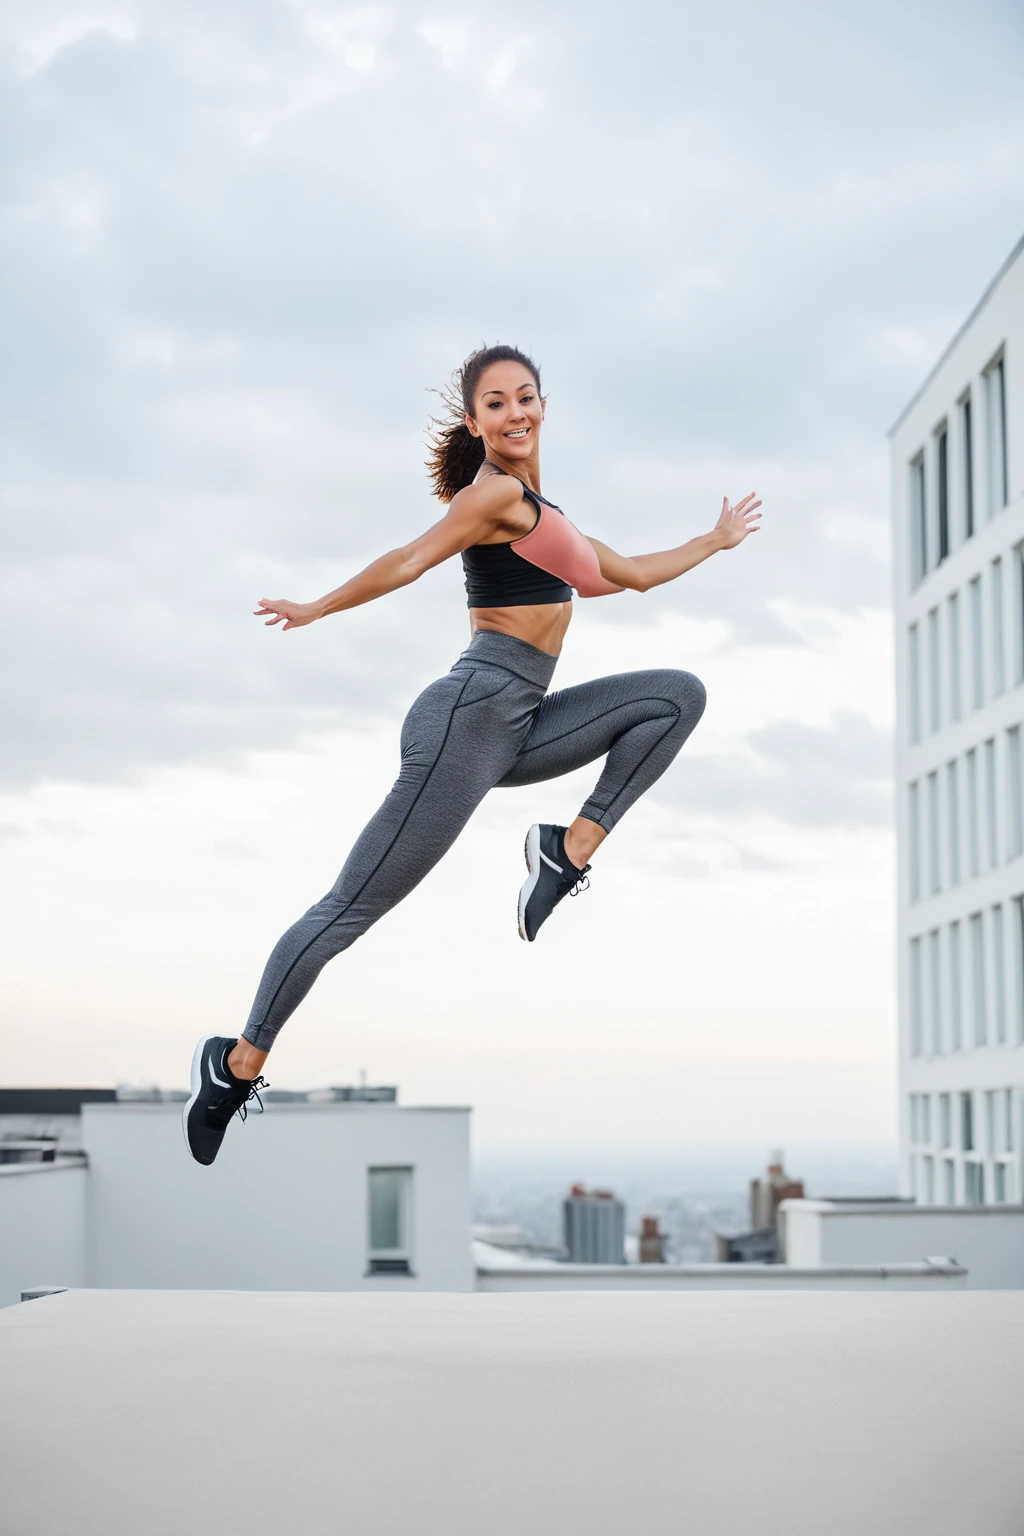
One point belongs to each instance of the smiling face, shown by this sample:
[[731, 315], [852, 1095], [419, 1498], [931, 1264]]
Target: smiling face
[[508, 412]]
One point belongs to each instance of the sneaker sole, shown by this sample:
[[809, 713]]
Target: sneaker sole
[[195, 1083], [531, 852]]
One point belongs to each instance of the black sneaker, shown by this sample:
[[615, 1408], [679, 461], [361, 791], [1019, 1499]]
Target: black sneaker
[[217, 1095], [551, 877]]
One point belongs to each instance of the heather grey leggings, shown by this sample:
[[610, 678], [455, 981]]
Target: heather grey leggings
[[489, 723]]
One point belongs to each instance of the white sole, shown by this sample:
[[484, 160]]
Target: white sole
[[531, 850], [195, 1083]]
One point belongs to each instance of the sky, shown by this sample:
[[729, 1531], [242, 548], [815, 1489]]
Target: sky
[[241, 244]]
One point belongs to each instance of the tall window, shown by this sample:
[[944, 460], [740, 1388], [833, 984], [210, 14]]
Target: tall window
[[915, 998], [934, 672], [934, 883], [999, 974], [1018, 970], [953, 639], [973, 819], [974, 1183], [918, 522], [1009, 1139], [914, 682], [389, 1206], [1018, 613], [967, 1122], [978, 989], [934, 1000], [998, 659], [977, 653], [945, 1121], [995, 437], [926, 1118], [991, 805], [949, 1181], [1015, 793], [942, 471], [967, 465], [914, 842], [953, 821], [956, 1023]]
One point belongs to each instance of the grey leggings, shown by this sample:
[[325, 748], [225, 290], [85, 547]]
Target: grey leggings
[[490, 722]]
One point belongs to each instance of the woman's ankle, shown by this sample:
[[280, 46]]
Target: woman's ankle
[[245, 1062], [582, 841]]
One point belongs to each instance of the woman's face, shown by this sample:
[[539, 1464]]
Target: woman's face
[[509, 411]]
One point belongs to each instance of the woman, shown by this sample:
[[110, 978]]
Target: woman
[[491, 721]]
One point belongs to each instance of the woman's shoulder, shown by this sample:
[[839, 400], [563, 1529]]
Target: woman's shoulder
[[493, 491]]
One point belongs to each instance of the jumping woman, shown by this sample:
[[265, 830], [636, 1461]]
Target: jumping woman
[[491, 722]]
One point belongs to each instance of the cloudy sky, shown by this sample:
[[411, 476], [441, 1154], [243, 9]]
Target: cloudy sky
[[241, 241]]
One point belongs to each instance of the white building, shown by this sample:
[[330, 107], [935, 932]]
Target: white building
[[957, 478], [309, 1196]]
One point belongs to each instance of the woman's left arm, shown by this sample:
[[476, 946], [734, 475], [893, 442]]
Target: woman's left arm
[[641, 572]]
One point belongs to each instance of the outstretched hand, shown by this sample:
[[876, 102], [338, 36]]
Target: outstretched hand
[[274, 609], [736, 522]]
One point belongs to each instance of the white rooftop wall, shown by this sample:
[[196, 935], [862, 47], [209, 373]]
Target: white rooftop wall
[[42, 1227], [988, 1241], [284, 1206]]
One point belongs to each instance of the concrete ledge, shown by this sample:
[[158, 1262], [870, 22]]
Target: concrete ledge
[[537, 1276], [786, 1414]]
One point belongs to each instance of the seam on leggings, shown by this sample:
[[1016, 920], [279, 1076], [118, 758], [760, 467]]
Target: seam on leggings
[[500, 667], [653, 698], [483, 699], [373, 871], [636, 770]]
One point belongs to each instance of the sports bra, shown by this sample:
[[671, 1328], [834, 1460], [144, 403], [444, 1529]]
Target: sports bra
[[542, 566]]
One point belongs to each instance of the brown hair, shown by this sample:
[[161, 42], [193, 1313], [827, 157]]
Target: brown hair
[[455, 454]]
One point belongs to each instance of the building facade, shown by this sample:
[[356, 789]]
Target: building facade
[[957, 497]]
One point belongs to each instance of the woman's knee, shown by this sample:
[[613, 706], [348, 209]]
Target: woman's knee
[[686, 690]]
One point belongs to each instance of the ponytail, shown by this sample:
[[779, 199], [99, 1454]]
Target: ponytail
[[455, 454]]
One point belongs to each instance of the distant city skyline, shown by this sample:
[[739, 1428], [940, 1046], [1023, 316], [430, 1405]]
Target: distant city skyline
[[241, 246]]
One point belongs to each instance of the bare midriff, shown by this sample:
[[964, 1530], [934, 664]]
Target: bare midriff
[[542, 625]]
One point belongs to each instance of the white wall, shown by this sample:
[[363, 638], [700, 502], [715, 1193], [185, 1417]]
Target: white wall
[[284, 1206], [987, 1240], [42, 1235]]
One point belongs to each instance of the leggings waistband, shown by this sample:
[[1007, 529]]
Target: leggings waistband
[[489, 646]]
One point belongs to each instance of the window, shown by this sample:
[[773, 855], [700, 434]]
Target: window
[[999, 1194], [974, 1183], [967, 466], [995, 437], [1018, 969], [1018, 613], [928, 1179], [915, 1133], [942, 471], [999, 974], [978, 978], [915, 997], [389, 1202], [967, 1122], [953, 821], [926, 1118], [914, 841], [956, 1022], [991, 805], [934, 672], [973, 819], [990, 1122], [935, 1005], [949, 1181], [918, 522], [945, 1120], [1009, 1140], [953, 646], [977, 656], [1015, 787], [998, 658], [932, 784], [914, 682]]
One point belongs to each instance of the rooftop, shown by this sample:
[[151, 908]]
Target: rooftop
[[794, 1413]]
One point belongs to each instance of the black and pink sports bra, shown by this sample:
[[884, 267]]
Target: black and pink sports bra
[[541, 567]]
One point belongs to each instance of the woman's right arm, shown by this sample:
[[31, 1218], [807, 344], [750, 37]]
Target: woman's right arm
[[472, 515]]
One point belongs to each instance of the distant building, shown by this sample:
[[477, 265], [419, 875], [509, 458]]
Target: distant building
[[594, 1226], [761, 1245], [652, 1241], [957, 477]]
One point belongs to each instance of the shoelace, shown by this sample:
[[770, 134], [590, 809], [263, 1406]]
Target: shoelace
[[254, 1093], [581, 882]]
